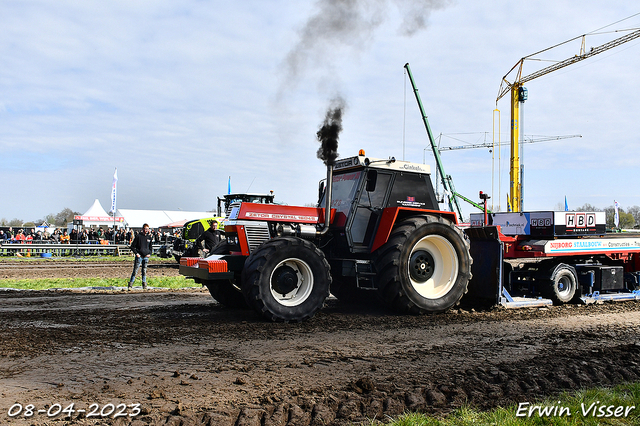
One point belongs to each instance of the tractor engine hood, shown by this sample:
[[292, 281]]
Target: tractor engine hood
[[278, 213]]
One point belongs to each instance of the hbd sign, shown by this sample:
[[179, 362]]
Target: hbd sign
[[541, 222], [580, 220]]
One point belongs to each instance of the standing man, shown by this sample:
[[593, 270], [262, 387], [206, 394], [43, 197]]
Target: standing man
[[210, 237], [142, 249]]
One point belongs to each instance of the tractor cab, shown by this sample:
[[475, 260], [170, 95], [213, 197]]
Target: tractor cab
[[225, 202], [364, 187]]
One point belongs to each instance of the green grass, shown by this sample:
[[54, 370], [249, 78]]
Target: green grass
[[88, 259], [46, 283], [626, 395]]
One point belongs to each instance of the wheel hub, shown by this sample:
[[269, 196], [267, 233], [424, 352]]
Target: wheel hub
[[421, 266], [285, 280]]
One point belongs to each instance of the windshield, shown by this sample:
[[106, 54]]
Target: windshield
[[343, 192]]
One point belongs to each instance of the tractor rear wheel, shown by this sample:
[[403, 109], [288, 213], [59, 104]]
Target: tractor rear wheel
[[286, 279], [424, 267], [227, 293]]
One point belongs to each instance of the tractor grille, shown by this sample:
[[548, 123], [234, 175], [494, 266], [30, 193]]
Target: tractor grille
[[257, 234]]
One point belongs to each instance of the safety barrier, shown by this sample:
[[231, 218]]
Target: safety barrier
[[57, 249]]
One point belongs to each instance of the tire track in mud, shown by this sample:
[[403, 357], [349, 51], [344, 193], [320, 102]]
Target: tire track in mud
[[188, 360]]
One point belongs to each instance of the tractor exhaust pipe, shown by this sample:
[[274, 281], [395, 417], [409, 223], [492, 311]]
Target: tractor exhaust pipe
[[328, 151], [327, 202]]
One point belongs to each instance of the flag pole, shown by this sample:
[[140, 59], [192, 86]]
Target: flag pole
[[113, 202]]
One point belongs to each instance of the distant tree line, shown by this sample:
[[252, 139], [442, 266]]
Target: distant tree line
[[61, 219]]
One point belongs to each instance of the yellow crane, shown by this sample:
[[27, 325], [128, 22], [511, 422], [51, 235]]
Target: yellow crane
[[519, 95]]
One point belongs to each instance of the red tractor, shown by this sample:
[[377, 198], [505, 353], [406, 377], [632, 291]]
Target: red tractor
[[377, 228]]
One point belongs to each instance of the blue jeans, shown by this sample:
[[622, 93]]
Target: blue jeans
[[139, 260]]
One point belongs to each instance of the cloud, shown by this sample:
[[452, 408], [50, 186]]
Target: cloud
[[179, 96]]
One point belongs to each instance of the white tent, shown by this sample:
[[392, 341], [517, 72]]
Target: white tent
[[158, 218], [97, 216]]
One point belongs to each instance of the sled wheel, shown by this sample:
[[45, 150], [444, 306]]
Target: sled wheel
[[563, 285], [286, 279], [424, 267], [226, 293]]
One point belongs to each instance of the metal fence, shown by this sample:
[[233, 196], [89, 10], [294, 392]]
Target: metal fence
[[43, 249]]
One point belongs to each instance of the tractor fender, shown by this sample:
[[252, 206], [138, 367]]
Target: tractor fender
[[391, 215]]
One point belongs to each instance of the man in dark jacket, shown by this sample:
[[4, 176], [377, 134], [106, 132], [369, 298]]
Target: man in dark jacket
[[210, 237], [142, 249]]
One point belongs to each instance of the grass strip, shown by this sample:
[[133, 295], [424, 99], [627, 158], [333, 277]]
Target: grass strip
[[618, 406], [46, 283], [87, 259]]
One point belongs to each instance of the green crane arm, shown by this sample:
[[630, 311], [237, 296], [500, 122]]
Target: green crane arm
[[453, 201]]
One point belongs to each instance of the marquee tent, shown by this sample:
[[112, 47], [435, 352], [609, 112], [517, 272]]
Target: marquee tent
[[97, 216], [158, 218]]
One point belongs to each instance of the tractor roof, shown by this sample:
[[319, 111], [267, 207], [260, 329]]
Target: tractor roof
[[360, 161]]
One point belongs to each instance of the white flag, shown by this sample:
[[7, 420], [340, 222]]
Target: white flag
[[616, 218], [113, 191]]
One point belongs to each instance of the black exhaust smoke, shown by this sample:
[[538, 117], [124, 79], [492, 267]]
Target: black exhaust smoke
[[328, 152], [329, 133], [336, 25]]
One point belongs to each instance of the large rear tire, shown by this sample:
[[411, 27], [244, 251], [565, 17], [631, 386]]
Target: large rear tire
[[286, 279], [424, 267], [227, 293]]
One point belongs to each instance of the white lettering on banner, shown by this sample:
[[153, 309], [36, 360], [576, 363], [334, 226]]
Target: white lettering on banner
[[609, 245], [541, 222], [99, 218], [279, 216]]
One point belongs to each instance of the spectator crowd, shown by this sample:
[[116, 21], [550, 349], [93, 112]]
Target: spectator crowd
[[92, 235]]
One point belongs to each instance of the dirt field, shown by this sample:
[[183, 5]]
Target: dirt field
[[188, 361]]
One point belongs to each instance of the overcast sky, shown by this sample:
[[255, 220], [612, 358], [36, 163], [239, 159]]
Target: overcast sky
[[178, 96]]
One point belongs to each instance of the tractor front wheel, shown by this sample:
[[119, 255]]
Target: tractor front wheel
[[227, 293], [286, 279]]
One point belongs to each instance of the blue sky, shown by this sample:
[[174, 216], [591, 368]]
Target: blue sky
[[180, 96]]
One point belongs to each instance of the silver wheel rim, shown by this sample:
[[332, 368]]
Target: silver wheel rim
[[304, 284], [445, 267], [564, 286]]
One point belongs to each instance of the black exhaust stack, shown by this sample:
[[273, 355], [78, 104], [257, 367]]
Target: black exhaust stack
[[328, 152]]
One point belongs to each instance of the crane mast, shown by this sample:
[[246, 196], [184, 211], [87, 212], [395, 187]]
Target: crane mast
[[518, 95]]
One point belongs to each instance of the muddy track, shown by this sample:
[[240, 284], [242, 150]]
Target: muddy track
[[69, 269], [188, 360]]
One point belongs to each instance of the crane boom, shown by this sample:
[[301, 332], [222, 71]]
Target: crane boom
[[518, 95], [490, 145], [505, 86], [446, 183]]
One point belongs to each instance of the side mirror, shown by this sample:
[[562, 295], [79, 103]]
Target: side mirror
[[320, 191], [372, 179]]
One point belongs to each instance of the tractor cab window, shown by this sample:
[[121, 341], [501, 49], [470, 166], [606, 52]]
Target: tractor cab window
[[194, 231], [413, 190], [369, 207], [343, 192]]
